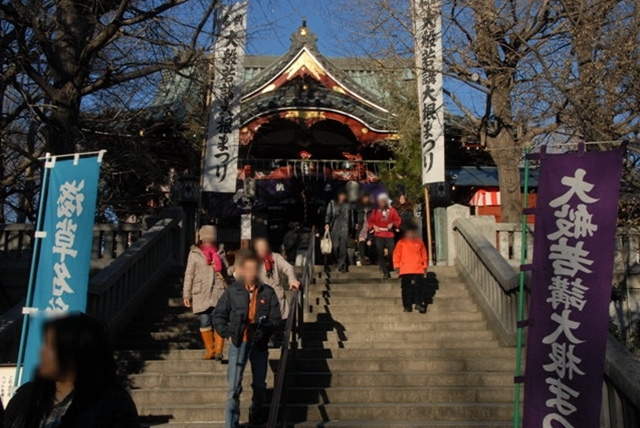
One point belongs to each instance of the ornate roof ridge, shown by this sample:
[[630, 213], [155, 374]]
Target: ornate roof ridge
[[303, 39]]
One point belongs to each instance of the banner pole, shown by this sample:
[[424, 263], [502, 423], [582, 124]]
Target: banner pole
[[521, 291], [427, 208], [28, 303]]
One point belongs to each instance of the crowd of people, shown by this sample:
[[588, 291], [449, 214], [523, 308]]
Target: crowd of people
[[241, 306], [244, 304]]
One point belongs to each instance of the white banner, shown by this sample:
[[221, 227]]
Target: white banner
[[7, 374], [428, 51], [223, 137]]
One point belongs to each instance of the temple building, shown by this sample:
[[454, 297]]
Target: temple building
[[310, 125]]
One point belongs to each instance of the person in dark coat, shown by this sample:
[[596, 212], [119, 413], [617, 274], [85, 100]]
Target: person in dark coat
[[339, 222], [247, 313], [76, 384]]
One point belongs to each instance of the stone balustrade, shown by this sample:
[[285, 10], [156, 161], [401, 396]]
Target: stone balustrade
[[118, 290], [494, 283], [109, 240]]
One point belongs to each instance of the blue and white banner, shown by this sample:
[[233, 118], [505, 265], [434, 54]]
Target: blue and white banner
[[63, 254]]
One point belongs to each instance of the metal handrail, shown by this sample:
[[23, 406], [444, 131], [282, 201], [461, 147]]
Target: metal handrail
[[292, 333]]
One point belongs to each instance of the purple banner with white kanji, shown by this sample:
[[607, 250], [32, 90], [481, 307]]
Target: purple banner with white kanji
[[574, 246]]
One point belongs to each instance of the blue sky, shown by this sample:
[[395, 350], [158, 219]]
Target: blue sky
[[273, 21]]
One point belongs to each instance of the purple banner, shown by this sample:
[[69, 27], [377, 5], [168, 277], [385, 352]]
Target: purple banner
[[574, 247]]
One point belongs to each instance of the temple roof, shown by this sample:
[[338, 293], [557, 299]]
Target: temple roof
[[304, 79], [303, 57]]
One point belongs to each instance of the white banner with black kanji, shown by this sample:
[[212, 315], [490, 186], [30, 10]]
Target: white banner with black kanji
[[428, 51], [223, 137]]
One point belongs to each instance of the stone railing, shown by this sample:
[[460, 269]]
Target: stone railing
[[509, 241], [494, 284], [118, 290], [109, 240], [493, 280]]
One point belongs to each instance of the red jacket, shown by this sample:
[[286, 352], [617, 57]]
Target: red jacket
[[410, 256], [378, 219]]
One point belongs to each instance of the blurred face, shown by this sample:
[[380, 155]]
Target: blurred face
[[249, 271], [411, 234], [402, 199], [208, 242], [262, 247], [382, 203], [342, 198], [366, 200], [49, 368]]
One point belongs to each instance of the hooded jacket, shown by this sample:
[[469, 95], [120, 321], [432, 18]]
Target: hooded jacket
[[231, 316], [410, 256], [202, 284]]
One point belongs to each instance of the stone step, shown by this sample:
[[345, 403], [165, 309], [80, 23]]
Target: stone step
[[397, 424], [379, 364], [388, 305], [396, 316], [394, 345], [426, 365], [350, 411], [403, 411], [190, 380], [411, 379], [367, 295], [310, 396], [383, 326], [351, 335], [187, 356], [400, 395], [336, 325]]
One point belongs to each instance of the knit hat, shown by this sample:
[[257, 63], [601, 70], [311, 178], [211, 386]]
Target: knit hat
[[210, 233], [383, 197]]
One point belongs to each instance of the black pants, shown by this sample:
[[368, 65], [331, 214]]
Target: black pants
[[365, 250], [381, 244], [413, 290], [339, 239]]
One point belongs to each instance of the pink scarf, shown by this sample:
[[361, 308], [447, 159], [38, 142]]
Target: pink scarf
[[213, 258]]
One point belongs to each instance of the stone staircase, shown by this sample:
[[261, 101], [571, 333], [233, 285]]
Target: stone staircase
[[364, 362]]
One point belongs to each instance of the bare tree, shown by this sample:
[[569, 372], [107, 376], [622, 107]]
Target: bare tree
[[73, 49], [64, 63]]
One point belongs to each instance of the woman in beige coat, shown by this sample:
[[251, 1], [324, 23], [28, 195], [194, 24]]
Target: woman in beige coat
[[204, 283], [276, 272]]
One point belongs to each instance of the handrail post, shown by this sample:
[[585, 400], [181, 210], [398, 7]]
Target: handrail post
[[521, 292], [292, 334]]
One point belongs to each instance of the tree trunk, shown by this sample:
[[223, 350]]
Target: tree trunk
[[502, 142], [507, 159], [63, 134]]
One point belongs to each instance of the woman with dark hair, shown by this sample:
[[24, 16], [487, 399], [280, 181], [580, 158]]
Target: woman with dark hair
[[76, 384]]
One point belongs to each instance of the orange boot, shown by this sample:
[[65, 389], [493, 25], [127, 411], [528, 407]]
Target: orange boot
[[209, 344], [219, 346]]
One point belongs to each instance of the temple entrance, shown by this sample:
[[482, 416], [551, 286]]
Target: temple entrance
[[307, 128], [288, 138]]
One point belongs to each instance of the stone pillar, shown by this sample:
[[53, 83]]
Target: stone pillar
[[440, 229], [486, 225], [454, 212]]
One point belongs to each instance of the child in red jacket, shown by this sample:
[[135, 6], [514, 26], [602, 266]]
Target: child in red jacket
[[410, 261]]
